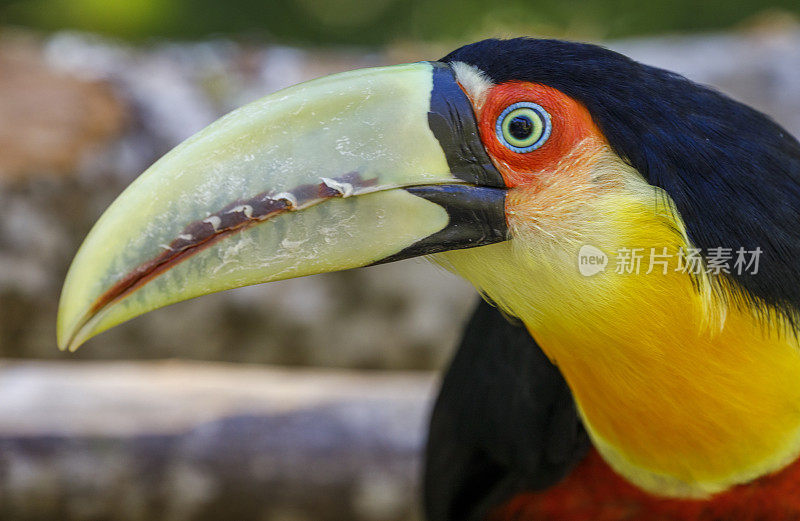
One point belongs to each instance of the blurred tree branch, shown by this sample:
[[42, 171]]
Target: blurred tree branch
[[177, 441]]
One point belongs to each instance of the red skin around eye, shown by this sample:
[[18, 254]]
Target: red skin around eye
[[571, 124]]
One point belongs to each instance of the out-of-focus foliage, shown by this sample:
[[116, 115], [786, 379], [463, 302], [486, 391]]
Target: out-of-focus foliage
[[374, 22]]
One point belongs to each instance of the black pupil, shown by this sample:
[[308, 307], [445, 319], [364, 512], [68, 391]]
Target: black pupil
[[521, 127]]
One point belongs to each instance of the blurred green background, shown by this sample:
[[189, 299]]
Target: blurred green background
[[378, 22]]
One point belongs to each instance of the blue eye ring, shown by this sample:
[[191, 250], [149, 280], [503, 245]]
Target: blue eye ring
[[537, 118]]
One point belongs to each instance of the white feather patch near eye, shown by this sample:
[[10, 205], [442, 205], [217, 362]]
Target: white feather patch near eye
[[474, 82]]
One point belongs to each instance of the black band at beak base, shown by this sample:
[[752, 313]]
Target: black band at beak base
[[476, 211], [452, 120]]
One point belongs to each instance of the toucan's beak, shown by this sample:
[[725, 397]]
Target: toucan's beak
[[354, 169]]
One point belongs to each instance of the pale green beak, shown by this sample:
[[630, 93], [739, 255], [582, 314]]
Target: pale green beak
[[345, 171]]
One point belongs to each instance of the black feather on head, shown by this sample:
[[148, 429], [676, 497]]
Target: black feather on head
[[732, 172]]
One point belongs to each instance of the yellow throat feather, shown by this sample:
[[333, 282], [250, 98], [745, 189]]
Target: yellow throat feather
[[683, 392]]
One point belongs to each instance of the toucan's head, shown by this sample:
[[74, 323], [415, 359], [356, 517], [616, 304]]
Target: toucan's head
[[501, 160]]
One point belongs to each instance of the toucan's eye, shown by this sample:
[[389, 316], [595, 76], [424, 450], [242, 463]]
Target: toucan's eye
[[523, 126]]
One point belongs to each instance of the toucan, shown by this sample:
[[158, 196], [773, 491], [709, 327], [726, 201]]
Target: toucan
[[635, 236]]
